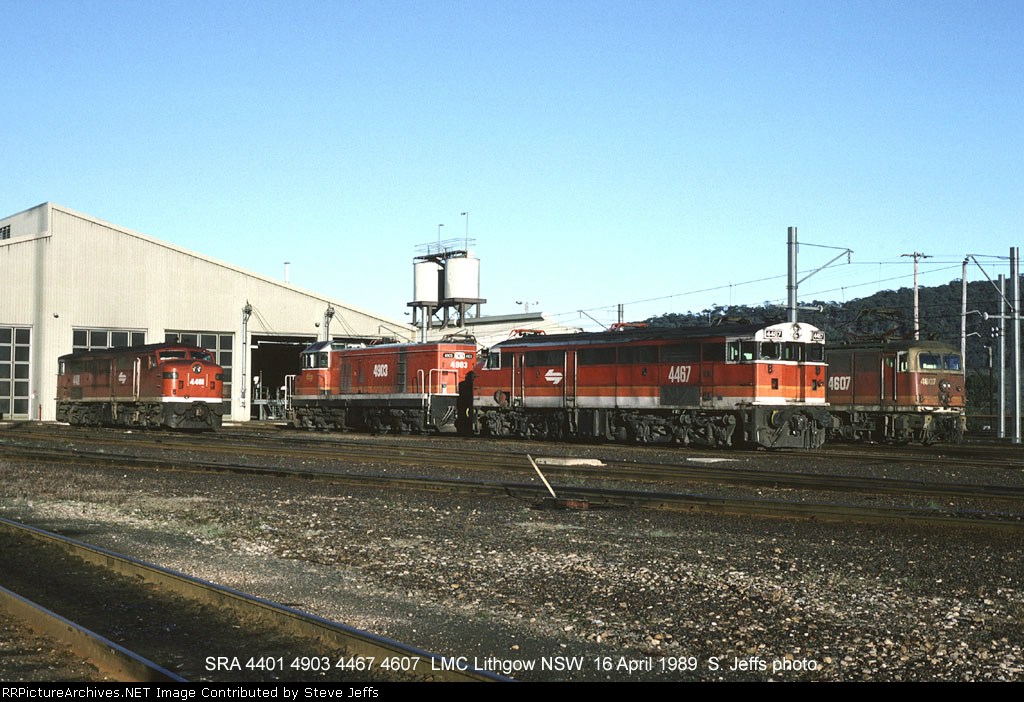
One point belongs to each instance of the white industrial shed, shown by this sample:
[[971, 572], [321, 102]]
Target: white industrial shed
[[71, 282]]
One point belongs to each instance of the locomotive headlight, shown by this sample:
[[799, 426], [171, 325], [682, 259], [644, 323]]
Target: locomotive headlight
[[944, 385]]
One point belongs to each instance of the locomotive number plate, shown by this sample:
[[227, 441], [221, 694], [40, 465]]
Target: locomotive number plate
[[679, 374]]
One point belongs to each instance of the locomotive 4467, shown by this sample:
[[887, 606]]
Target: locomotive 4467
[[160, 385], [381, 388], [715, 386]]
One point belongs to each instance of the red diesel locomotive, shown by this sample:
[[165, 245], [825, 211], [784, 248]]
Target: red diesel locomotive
[[159, 385], [714, 386], [896, 392], [386, 387]]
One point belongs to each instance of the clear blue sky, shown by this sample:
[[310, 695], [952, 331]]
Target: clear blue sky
[[607, 152]]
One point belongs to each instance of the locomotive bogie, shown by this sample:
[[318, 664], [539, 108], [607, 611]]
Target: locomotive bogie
[[898, 427], [762, 426], [377, 416]]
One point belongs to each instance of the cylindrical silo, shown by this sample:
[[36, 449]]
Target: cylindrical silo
[[426, 282], [462, 278]]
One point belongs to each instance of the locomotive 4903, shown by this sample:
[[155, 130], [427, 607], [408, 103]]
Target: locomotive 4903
[[386, 387], [896, 392], [160, 385], [715, 386]]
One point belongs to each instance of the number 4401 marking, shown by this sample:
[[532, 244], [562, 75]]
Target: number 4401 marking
[[679, 374]]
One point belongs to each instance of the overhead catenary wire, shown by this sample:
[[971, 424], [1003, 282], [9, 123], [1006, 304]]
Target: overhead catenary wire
[[940, 265]]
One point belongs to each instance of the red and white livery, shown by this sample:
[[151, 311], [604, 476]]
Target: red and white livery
[[896, 392], [716, 386], [159, 385], [381, 388]]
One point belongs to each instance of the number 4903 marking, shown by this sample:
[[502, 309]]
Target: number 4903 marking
[[679, 374]]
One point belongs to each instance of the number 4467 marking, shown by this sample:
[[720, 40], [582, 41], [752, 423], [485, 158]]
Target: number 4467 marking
[[679, 374]]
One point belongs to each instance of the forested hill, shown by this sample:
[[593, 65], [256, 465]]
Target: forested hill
[[887, 314]]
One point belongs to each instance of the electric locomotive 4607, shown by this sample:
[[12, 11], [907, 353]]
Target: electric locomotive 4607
[[381, 388], [714, 386], [896, 392], [159, 385]]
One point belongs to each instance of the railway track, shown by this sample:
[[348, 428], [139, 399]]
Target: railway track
[[252, 439], [130, 613], [261, 440], [793, 494], [1003, 456], [110, 659], [718, 470]]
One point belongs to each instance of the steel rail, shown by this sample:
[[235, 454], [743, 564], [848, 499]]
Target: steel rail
[[516, 464], [286, 619], [109, 657], [604, 497], [1001, 457]]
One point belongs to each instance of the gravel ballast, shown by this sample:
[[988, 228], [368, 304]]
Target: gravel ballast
[[543, 594]]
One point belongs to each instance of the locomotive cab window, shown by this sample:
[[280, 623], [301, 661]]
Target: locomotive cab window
[[741, 351], [815, 353], [792, 351], [929, 361], [316, 360], [770, 351], [952, 362]]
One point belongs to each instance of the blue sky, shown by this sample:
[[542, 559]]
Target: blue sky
[[607, 152]]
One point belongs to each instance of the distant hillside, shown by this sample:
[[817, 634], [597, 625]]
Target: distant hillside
[[889, 314]]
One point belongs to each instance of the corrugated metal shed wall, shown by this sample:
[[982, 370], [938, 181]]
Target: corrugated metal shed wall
[[89, 273]]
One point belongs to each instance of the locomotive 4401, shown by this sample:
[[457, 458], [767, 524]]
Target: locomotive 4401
[[160, 385], [715, 386]]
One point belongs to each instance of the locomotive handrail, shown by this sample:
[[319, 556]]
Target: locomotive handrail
[[441, 374], [289, 391]]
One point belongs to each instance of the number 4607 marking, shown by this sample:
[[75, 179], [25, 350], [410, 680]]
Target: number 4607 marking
[[679, 374]]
